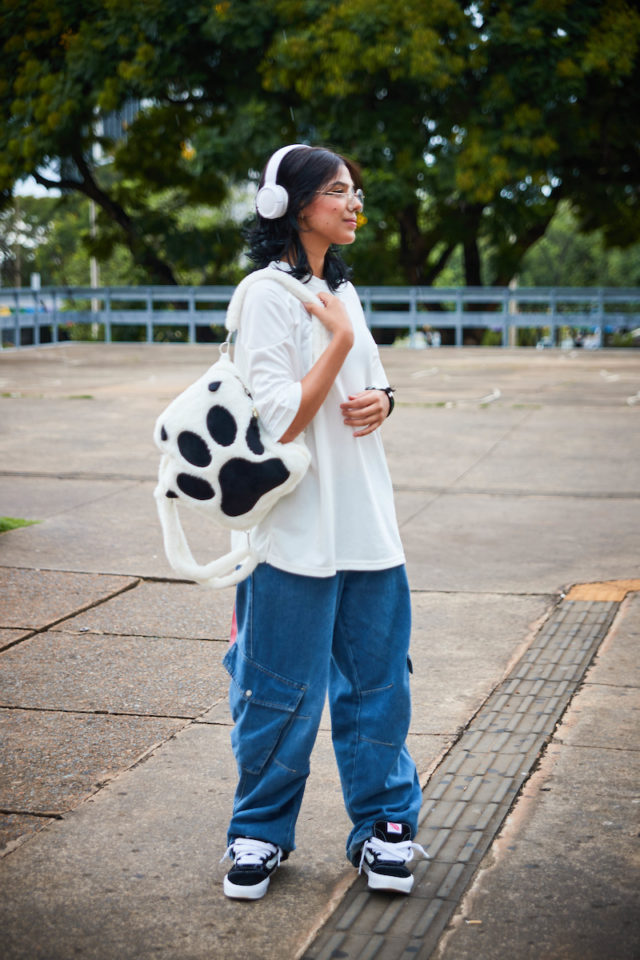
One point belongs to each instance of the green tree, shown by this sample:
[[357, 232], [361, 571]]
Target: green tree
[[23, 231], [110, 99], [565, 257], [52, 237], [473, 120]]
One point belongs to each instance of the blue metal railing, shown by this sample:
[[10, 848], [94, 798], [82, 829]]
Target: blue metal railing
[[38, 316]]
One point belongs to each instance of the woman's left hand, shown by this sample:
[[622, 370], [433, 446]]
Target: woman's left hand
[[365, 411]]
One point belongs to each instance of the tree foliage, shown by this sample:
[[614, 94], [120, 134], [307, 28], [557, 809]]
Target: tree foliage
[[49, 237], [472, 121], [186, 75], [565, 257]]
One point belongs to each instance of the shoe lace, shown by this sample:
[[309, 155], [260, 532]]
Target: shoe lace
[[247, 852], [400, 852]]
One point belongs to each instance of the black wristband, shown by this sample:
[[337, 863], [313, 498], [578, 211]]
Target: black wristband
[[389, 392]]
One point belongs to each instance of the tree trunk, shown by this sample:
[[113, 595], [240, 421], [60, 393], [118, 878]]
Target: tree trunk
[[508, 267], [472, 269], [437, 268], [159, 270], [412, 246]]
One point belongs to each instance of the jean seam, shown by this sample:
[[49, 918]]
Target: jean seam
[[250, 616], [357, 687], [381, 743], [356, 736], [387, 686]]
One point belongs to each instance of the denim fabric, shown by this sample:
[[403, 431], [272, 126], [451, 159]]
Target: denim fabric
[[297, 638]]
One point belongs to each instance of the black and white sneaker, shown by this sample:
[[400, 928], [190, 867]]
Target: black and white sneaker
[[384, 857], [253, 863]]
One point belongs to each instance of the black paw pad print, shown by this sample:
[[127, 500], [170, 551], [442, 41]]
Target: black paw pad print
[[241, 480]]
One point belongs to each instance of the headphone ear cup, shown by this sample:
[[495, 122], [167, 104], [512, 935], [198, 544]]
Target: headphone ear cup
[[272, 201]]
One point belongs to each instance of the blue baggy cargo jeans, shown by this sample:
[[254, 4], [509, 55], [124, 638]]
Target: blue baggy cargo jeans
[[298, 637]]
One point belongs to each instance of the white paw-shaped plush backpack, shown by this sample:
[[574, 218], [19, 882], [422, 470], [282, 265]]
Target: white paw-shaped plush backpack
[[218, 458]]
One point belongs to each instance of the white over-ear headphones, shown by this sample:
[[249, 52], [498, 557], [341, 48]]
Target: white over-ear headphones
[[272, 198]]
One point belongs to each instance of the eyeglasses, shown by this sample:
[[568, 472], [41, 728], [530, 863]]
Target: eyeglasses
[[349, 194]]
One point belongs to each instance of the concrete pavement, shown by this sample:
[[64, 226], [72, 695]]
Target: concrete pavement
[[517, 476]]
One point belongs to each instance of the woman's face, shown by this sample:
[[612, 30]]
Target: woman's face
[[332, 216]]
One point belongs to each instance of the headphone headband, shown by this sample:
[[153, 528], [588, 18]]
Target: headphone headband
[[272, 199]]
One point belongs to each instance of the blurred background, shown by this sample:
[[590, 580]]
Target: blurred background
[[498, 141]]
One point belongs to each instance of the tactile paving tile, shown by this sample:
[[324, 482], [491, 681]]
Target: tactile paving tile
[[470, 794]]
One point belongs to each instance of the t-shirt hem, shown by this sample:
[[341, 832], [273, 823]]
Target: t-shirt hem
[[304, 571]]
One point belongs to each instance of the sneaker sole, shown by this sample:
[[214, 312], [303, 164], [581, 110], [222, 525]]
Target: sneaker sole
[[253, 892], [378, 881]]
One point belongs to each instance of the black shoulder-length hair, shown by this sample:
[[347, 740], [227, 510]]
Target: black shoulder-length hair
[[302, 172]]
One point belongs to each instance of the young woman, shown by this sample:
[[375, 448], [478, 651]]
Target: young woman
[[329, 608]]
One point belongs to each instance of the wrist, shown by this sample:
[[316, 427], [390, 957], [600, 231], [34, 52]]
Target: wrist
[[343, 338], [389, 392]]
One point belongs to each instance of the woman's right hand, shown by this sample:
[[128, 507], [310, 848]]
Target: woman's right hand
[[333, 315], [319, 379]]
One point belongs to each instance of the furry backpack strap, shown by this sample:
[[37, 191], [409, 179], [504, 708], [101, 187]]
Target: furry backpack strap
[[218, 459], [319, 333], [224, 572]]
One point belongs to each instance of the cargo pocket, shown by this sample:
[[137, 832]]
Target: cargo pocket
[[262, 706]]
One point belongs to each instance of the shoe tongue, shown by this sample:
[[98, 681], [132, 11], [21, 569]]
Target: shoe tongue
[[391, 832]]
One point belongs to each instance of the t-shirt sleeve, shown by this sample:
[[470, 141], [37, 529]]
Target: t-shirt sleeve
[[375, 376], [271, 363], [378, 376]]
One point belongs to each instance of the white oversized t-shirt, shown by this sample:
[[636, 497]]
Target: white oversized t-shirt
[[341, 516]]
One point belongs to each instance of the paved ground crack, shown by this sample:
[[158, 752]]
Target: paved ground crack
[[69, 616]]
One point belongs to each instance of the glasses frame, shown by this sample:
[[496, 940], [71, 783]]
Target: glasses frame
[[349, 195]]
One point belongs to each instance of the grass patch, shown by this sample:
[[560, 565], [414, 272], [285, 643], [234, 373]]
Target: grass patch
[[13, 523], [80, 396]]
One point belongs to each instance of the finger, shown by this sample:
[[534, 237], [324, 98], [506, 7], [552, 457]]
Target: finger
[[364, 422], [360, 403], [365, 432], [359, 416], [314, 307]]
